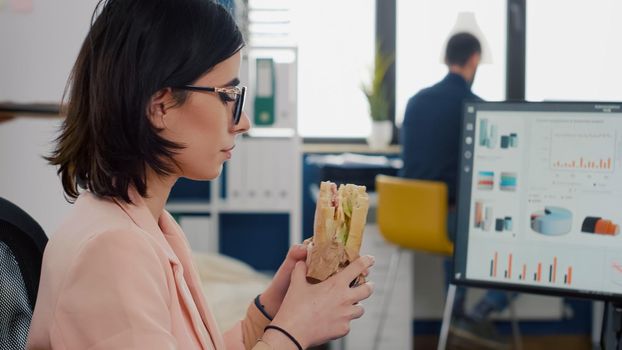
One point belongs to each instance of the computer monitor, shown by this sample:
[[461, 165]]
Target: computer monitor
[[540, 198]]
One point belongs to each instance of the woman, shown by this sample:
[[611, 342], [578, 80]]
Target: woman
[[154, 97]]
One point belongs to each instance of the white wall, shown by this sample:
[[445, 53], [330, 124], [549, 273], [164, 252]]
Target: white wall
[[38, 50], [25, 178]]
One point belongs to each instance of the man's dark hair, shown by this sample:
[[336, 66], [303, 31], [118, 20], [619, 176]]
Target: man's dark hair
[[460, 48], [134, 49]]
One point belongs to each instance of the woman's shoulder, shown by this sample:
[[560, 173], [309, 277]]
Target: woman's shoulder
[[98, 239], [91, 215], [94, 219]]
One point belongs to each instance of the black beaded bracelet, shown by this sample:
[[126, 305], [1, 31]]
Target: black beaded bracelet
[[261, 308], [291, 337]]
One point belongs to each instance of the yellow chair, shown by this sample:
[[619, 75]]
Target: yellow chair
[[412, 214]]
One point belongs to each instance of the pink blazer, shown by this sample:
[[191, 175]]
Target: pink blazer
[[114, 278]]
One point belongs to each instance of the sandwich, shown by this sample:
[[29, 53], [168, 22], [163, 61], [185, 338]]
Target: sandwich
[[340, 216]]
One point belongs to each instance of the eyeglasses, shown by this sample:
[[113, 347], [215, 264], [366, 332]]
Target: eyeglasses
[[227, 94]]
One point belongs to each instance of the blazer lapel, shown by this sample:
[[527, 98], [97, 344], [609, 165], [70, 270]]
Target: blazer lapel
[[140, 214], [177, 240], [201, 329]]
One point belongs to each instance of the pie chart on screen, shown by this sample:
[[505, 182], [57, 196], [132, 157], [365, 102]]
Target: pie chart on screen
[[552, 221]]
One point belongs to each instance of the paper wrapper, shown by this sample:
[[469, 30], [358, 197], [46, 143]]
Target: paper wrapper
[[326, 261]]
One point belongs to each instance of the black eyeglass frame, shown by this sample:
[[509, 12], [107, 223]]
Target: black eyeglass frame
[[233, 93]]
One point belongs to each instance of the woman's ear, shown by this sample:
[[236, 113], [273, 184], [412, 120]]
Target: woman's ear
[[156, 109]]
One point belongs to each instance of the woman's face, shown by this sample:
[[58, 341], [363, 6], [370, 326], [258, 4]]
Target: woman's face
[[204, 124]]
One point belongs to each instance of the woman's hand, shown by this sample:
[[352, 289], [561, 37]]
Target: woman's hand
[[316, 313], [272, 298]]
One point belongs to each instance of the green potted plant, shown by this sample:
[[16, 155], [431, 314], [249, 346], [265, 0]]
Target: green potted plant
[[376, 93]]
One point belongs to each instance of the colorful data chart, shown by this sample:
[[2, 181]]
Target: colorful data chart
[[507, 266], [495, 267], [509, 141], [552, 221], [486, 180], [483, 216], [583, 150], [584, 164], [503, 224], [508, 182], [484, 219], [487, 134], [599, 226]]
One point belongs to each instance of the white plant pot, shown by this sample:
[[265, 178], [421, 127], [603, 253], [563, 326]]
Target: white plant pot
[[380, 135]]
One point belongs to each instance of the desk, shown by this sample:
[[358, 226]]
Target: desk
[[29, 109], [349, 147]]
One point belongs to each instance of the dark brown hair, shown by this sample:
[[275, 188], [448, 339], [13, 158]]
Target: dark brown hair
[[460, 47], [134, 49]]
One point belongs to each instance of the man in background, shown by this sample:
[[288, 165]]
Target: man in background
[[430, 138]]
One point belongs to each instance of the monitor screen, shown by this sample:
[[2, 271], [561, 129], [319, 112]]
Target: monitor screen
[[540, 198]]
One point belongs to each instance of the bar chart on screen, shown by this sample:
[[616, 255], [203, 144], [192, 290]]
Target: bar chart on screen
[[507, 266], [574, 150], [599, 164]]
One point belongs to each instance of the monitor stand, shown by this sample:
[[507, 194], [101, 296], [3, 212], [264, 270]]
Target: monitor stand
[[611, 331]]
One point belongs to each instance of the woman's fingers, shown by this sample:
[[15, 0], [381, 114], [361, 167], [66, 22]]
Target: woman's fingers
[[362, 291], [297, 252], [356, 311], [299, 273], [274, 294], [356, 268], [316, 313]]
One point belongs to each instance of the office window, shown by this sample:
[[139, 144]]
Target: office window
[[335, 54], [423, 27], [574, 50]]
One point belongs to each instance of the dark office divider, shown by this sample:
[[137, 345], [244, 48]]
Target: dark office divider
[[516, 52], [386, 19]]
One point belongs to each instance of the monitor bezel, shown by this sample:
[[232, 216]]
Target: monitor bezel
[[469, 112]]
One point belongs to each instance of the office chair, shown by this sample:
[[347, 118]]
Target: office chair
[[412, 214], [21, 250]]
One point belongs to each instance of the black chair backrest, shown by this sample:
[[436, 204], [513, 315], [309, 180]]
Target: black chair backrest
[[21, 250]]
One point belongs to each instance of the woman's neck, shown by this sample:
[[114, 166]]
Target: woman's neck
[[158, 190]]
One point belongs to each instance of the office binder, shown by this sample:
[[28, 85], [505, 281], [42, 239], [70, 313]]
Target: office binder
[[264, 98]]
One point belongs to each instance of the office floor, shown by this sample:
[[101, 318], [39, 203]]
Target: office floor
[[566, 342]]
